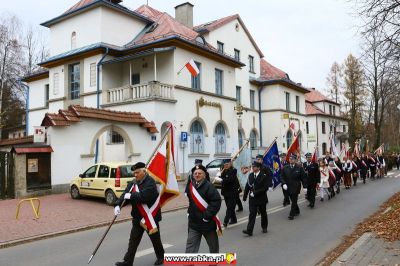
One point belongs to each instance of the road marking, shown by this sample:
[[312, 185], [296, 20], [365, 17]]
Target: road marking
[[149, 251]]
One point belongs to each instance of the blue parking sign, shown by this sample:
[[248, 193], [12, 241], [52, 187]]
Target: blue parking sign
[[184, 136]]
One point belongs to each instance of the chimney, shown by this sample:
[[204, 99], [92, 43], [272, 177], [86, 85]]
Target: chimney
[[184, 14]]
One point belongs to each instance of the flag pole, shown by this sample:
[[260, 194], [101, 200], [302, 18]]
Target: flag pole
[[270, 146], [123, 203], [240, 150], [181, 69]]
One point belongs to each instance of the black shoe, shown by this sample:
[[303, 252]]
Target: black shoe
[[297, 214], [123, 263], [322, 199], [225, 225], [311, 206], [159, 262], [247, 233], [235, 222], [239, 210], [265, 230], [291, 217]]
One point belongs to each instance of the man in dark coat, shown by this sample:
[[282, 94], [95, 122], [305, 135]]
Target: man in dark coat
[[363, 167], [292, 177], [372, 166], [147, 195], [198, 162], [229, 190], [313, 178], [286, 198], [202, 222], [258, 184]]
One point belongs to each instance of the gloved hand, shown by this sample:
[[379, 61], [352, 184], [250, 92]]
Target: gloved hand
[[204, 220], [218, 179], [117, 210], [219, 174], [252, 194], [305, 190], [284, 186], [127, 196], [270, 189]]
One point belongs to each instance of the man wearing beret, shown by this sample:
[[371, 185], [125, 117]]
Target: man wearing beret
[[286, 199], [257, 185], [198, 162], [143, 191], [292, 177], [204, 204], [313, 178]]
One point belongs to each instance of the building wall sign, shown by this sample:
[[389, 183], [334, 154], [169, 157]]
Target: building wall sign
[[33, 165], [39, 134]]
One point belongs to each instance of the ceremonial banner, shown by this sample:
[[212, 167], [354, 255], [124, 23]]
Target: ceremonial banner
[[243, 165], [271, 159]]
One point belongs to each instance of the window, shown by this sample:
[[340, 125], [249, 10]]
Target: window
[[330, 109], [74, 71], [220, 46], [238, 94], [135, 78], [334, 110], [46, 95], [237, 54], [344, 128], [104, 171], [218, 81], [253, 140], [91, 172], [331, 128], [196, 80], [251, 64], [324, 148], [115, 138], [220, 139], [289, 138], [73, 40], [297, 104], [323, 128], [196, 138], [287, 97], [307, 128], [252, 99], [56, 83], [92, 74], [240, 137]]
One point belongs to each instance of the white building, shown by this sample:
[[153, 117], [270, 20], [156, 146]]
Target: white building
[[104, 55]]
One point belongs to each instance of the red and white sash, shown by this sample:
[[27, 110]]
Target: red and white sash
[[354, 164], [363, 163], [148, 214], [331, 173], [202, 205]]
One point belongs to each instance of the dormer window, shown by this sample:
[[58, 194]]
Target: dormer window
[[200, 39], [73, 40]]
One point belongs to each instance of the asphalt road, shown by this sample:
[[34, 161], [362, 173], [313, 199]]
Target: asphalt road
[[303, 241]]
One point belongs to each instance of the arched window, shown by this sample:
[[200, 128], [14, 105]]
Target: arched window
[[289, 138], [196, 137], [240, 136], [324, 148], [73, 40], [115, 138], [220, 139], [253, 139]]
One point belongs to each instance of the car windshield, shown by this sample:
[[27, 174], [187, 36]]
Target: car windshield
[[214, 164]]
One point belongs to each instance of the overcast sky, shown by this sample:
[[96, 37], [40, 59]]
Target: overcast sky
[[301, 37]]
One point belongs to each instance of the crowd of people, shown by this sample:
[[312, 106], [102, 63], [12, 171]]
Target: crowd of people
[[327, 174]]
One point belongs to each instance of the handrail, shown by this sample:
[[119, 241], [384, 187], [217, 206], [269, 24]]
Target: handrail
[[35, 210]]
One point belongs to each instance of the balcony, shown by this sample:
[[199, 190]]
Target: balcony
[[150, 91]]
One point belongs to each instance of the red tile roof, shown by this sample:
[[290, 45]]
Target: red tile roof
[[83, 3], [315, 96], [215, 24], [270, 72], [149, 12], [76, 112], [313, 110]]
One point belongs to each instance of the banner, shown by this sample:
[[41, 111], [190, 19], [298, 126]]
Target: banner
[[243, 165], [271, 159]]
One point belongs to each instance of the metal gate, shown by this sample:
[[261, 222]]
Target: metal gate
[[6, 175]]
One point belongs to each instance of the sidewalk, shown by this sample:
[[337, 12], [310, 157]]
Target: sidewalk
[[369, 250], [59, 214]]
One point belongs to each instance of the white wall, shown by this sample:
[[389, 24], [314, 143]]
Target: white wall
[[37, 93]]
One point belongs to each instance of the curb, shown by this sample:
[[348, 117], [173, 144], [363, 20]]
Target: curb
[[69, 231]]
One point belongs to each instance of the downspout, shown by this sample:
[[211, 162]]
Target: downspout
[[98, 97], [316, 125], [26, 105], [259, 115]]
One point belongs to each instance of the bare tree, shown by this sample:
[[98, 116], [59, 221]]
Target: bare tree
[[334, 82]]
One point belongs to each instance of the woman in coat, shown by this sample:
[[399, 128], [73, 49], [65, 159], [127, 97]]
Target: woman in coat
[[324, 182]]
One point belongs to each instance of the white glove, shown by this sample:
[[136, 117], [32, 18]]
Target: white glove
[[284, 186], [219, 174], [204, 220], [127, 196], [117, 210], [252, 194], [305, 190], [270, 189], [218, 179]]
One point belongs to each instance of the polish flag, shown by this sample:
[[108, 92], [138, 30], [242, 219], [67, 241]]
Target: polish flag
[[162, 168], [192, 67], [293, 149], [315, 155]]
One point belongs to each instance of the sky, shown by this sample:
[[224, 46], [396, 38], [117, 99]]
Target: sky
[[301, 37]]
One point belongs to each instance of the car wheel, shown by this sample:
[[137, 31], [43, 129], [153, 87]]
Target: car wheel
[[75, 192], [110, 197]]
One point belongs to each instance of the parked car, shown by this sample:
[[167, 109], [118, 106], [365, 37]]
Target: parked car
[[101, 180], [214, 167]]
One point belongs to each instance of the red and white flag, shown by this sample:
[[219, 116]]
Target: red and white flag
[[162, 168], [192, 67], [314, 158], [293, 149]]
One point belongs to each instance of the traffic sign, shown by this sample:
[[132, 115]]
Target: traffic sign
[[184, 136]]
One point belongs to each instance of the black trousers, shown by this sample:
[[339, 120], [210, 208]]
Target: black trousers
[[286, 198], [311, 192], [239, 201], [136, 237], [253, 213], [194, 239], [230, 215], [294, 209]]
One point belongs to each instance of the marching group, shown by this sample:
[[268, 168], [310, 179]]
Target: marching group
[[325, 174]]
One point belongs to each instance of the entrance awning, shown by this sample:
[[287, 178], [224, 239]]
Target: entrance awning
[[47, 149]]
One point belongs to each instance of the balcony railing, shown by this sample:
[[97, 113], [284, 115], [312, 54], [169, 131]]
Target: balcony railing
[[147, 91]]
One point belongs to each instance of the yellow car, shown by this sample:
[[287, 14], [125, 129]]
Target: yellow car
[[104, 180]]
